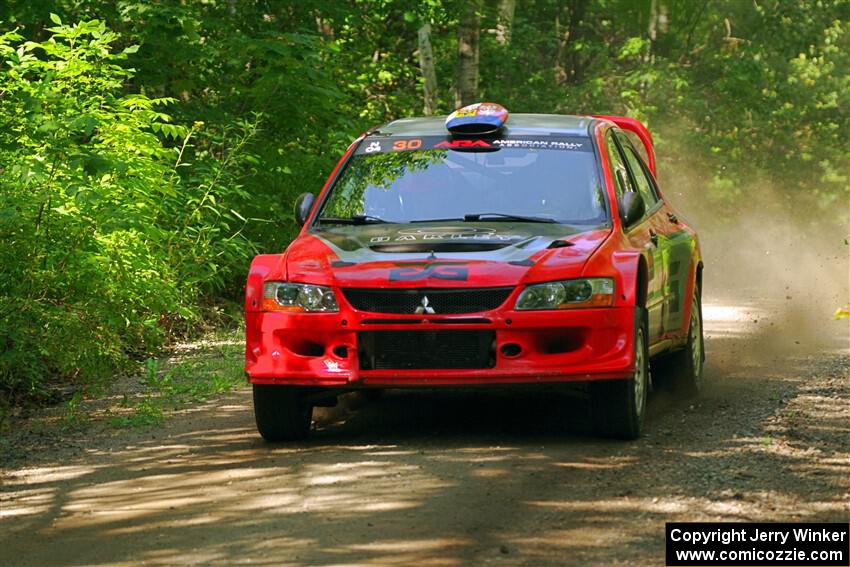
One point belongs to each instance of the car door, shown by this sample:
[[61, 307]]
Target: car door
[[675, 243], [644, 235]]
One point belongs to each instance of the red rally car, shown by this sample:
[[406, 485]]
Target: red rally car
[[476, 250]]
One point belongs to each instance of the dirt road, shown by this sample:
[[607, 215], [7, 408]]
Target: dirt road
[[456, 478]]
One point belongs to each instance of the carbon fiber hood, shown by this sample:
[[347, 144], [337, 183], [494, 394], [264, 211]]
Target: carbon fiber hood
[[476, 254]]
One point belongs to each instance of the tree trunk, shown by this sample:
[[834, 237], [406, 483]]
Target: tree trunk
[[324, 28], [652, 30], [467, 51], [571, 71], [426, 64], [506, 21], [562, 37], [577, 11]]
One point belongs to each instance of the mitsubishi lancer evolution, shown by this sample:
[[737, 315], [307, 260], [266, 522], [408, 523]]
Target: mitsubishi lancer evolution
[[480, 249]]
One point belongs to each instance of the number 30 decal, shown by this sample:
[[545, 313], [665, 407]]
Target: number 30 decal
[[413, 144]]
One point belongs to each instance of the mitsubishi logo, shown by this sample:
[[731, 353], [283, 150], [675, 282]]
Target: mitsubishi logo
[[424, 308]]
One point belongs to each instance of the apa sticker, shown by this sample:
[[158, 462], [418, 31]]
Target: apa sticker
[[463, 144]]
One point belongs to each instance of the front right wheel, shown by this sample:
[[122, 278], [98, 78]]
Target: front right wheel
[[618, 406]]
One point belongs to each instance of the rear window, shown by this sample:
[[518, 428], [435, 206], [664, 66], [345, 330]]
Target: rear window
[[420, 179]]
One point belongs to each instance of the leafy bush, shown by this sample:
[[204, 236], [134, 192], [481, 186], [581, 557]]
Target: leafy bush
[[106, 244]]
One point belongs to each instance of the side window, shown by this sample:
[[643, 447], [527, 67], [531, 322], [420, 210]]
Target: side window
[[644, 183], [624, 135], [622, 181]]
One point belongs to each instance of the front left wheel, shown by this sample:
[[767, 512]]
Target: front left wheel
[[281, 412], [618, 406], [682, 372]]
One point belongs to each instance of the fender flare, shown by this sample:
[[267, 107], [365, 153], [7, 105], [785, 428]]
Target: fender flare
[[694, 274], [628, 266], [262, 267]]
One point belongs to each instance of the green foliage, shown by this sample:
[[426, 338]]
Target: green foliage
[[74, 418], [743, 89], [106, 245], [190, 381]]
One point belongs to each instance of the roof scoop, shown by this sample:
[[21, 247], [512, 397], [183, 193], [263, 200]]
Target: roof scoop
[[478, 118]]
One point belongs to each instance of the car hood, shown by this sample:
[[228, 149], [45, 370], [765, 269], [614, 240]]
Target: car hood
[[435, 255]]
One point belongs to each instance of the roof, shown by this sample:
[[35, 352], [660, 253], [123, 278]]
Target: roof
[[517, 124]]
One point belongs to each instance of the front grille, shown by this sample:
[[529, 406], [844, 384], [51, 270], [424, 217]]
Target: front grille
[[442, 301], [409, 350]]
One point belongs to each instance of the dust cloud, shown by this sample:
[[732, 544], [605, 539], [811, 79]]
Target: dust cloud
[[774, 261]]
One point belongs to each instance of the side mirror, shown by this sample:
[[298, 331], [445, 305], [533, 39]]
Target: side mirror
[[632, 207], [303, 206]]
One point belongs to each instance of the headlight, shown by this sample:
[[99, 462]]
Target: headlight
[[567, 294], [294, 297]]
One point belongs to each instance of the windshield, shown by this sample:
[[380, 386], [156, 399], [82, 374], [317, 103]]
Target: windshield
[[559, 184]]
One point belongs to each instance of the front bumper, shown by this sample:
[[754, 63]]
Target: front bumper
[[321, 349]]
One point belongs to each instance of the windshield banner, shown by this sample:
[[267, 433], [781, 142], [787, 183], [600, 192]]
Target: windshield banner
[[379, 144]]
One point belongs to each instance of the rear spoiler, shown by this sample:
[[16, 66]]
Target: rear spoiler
[[635, 126]]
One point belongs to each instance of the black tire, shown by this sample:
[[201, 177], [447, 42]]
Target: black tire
[[374, 394], [281, 412], [361, 398], [618, 406], [682, 371]]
